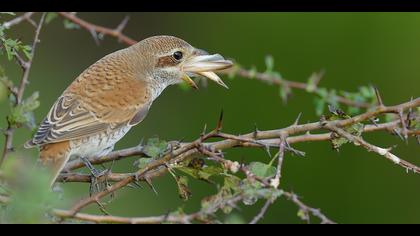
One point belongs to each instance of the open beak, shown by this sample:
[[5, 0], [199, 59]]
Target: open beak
[[205, 65]]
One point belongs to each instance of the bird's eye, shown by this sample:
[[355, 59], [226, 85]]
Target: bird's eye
[[177, 55]]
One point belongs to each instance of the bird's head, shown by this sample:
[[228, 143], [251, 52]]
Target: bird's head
[[173, 61]]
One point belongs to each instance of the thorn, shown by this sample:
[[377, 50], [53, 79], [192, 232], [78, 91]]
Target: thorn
[[102, 208], [141, 142], [95, 37], [167, 214], [297, 119], [255, 131], [137, 184], [294, 151], [32, 22], [398, 133], [204, 131], [391, 148], [267, 149], [410, 117], [149, 183], [374, 121], [378, 96], [123, 24], [403, 125], [220, 122]]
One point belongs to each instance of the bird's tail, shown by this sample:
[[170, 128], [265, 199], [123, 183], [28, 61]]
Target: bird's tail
[[54, 157]]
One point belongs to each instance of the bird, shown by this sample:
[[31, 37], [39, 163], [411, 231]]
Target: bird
[[114, 94]]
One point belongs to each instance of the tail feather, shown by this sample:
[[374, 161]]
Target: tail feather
[[54, 156], [29, 144]]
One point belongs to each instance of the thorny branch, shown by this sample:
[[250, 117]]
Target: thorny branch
[[199, 216], [193, 148], [25, 17], [270, 139], [261, 214]]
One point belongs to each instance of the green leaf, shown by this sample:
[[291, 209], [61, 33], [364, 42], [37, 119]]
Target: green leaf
[[311, 86], [332, 98], [338, 141], [253, 191], [353, 110], [27, 50], [142, 162], [319, 106], [202, 174], [367, 92], [155, 147], [230, 188], [253, 72], [22, 114], [12, 47], [50, 16], [322, 92], [9, 45], [269, 63], [285, 92], [355, 129], [262, 170], [302, 214], [234, 219], [70, 25]]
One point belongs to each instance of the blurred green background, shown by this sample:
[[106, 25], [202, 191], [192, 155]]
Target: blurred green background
[[355, 49]]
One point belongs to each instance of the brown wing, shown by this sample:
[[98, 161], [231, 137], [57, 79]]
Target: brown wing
[[105, 96]]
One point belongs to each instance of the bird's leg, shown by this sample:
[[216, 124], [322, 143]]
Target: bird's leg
[[95, 173]]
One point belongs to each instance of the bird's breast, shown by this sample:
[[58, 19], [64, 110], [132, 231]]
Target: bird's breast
[[99, 144]]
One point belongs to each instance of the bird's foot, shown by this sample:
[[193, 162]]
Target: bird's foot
[[95, 172], [96, 183]]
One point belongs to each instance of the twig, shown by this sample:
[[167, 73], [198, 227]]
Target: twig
[[139, 175], [262, 212], [117, 33], [24, 80], [26, 70], [25, 17], [136, 151], [191, 148], [275, 182], [124, 220], [236, 141], [272, 79], [306, 209], [113, 156], [358, 141]]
